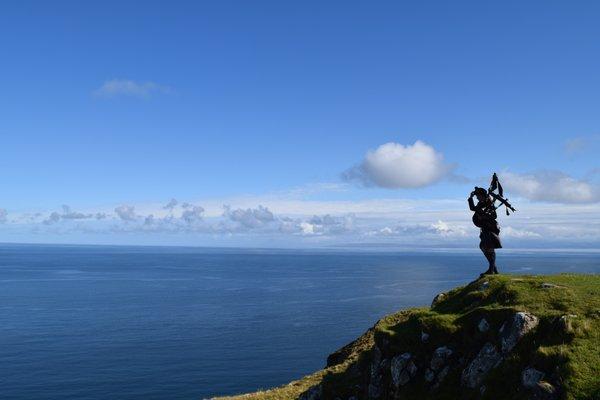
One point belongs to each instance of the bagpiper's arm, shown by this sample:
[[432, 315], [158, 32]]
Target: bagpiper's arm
[[472, 206]]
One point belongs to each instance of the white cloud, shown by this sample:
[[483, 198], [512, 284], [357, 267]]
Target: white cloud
[[126, 212], [192, 214], [306, 228], [327, 225], [250, 218], [509, 231], [124, 87], [67, 214], [394, 166], [439, 228], [551, 186], [70, 214], [3, 216]]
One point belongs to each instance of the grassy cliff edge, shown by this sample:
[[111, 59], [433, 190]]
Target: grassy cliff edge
[[499, 337]]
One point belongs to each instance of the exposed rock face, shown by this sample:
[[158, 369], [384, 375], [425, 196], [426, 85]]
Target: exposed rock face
[[375, 389], [544, 391], [429, 375], [565, 323], [440, 357], [511, 332], [441, 375], [438, 298], [424, 337], [483, 325], [487, 358], [402, 369], [530, 377], [549, 286]]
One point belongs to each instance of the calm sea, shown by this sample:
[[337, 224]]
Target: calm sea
[[83, 322]]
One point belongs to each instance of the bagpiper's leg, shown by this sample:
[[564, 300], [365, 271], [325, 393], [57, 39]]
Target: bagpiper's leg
[[490, 255], [493, 261]]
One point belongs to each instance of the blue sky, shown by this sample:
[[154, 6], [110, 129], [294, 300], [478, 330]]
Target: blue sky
[[271, 104]]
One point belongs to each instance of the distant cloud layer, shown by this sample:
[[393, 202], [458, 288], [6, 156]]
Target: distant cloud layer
[[292, 222], [67, 214], [123, 87], [250, 218], [551, 186], [126, 212], [395, 166]]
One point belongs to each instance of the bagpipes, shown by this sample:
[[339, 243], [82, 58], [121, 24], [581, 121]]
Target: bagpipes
[[495, 185]]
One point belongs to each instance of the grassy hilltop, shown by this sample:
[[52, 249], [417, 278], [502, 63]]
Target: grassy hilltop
[[500, 337]]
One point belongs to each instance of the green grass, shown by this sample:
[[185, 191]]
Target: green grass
[[567, 351]]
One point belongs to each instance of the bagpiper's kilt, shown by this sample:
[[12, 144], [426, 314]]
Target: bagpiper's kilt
[[489, 240]]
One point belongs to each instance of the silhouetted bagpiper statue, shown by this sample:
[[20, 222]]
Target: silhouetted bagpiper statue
[[484, 217]]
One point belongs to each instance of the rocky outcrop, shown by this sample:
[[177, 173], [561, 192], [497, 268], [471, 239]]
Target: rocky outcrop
[[438, 299], [545, 391], [514, 330], [530, 377], [390, 375], [487, 358], [483, 325], [475, 342], [402, 369], [441, 355], [377, 371]]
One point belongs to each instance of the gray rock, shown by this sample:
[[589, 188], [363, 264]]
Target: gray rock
[[545, 391], [312, 393], [441, 376], [530, 377], [440, 357], [484, 286], [402, 369], [424, 337], [483, 326], [429, 375], [487, 358], [514, 330], [549, 286], [438, 298], [375, 388], [565, 323]]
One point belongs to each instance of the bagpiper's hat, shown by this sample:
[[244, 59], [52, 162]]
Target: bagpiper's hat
[[480, 191]]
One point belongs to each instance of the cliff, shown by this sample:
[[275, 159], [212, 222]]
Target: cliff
[[500, 337]]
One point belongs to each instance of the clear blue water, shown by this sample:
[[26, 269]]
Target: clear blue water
[[153, 323]]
